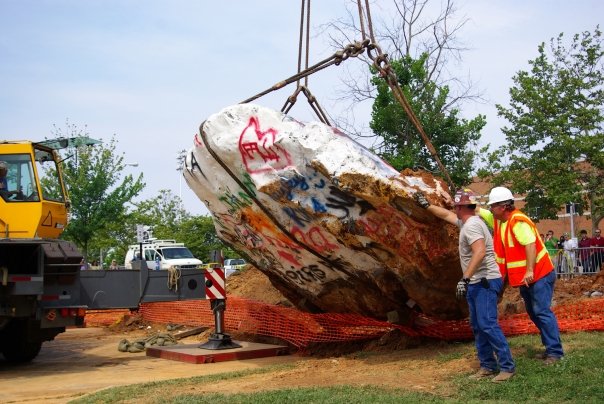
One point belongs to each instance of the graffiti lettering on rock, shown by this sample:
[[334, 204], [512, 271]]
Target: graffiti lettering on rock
[[195, 165], [311, 273], [289, 257], [343, 201], [282, 242], [249, 184], [313, 238], [317, 206], [298, 181], [298, 215], [235, 202], [385, 231], [259, 151]]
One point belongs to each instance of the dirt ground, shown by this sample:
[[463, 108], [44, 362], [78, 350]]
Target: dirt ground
[[82, 361]]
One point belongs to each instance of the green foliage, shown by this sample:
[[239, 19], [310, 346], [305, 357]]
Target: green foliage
[[103, 216], [97, 193], [554, 142], [169, 220], [198, 233], [453, 137], [164, 213]]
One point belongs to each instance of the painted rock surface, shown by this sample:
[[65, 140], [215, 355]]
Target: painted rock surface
[[334, 227]]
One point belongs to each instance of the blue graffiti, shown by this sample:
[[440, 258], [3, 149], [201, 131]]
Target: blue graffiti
[[318, 206]]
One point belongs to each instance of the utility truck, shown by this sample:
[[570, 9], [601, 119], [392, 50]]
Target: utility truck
[[42, 289], [162, 254]]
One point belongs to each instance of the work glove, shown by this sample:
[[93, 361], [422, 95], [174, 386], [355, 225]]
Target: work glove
[[421, 200], [462, 288]]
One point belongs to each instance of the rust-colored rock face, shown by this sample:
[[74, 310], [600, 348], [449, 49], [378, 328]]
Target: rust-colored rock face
[[334, 227]]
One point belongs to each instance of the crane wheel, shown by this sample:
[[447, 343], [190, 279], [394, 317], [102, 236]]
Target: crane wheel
[[16, 347]]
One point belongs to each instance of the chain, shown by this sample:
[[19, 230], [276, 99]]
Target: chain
[[380, 62], [351, 50]]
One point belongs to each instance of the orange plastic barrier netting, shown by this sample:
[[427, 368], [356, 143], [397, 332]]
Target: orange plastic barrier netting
[[300, 329]]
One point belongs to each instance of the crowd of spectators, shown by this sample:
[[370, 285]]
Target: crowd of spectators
[[582, 255]]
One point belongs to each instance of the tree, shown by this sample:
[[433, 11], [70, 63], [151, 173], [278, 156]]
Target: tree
[[164, 213], [169, 220], [555, 143], [199, 234], [420, 38], [415, 29], [97, 193], [453, 137]]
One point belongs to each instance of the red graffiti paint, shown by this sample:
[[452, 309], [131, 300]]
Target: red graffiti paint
[[259, 151], [313, 238], [289, 257]]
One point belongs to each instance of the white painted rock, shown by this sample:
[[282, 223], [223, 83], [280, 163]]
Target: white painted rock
[[333, 226]]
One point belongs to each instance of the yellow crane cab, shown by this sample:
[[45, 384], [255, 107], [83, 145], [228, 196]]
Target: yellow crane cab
[[33, 199]]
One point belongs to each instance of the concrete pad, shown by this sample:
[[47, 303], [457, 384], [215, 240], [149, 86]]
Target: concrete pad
[[192, 353]]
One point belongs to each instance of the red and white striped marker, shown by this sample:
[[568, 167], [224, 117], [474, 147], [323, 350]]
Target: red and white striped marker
[[215, 284]]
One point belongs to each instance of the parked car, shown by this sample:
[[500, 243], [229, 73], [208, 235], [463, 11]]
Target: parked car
[[232, 265]]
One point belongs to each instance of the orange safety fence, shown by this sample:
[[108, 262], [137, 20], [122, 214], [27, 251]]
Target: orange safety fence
[[301, 329]]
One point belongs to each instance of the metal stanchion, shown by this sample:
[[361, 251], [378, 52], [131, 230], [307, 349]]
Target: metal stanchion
[[219, 340]]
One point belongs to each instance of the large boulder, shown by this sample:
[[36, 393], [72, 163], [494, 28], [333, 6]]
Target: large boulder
[[334, 227]]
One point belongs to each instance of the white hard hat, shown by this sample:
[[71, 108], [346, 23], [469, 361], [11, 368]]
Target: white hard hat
[[500, 194]]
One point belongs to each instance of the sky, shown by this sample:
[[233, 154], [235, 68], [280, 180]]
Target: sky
[[150, 72]]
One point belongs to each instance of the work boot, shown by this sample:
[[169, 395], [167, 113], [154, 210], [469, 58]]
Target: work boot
[[540, 355], [502, 377], [550, 360], [482, 373]]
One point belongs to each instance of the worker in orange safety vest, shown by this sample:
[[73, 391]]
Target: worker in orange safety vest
[[523, 258]]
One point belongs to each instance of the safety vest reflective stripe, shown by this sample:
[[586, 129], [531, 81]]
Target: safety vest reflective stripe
[[510, 239], [500, 260], [541, 254], [517, 264]]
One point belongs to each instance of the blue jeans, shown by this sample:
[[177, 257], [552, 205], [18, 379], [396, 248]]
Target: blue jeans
[[488, 336], [537, 300]]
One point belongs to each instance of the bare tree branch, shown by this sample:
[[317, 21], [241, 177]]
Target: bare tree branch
[[405, 28]]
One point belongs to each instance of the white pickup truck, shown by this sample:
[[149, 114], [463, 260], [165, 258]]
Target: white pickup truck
[[162, 254], [232, 265]]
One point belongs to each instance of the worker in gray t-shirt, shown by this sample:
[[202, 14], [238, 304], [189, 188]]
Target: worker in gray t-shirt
[[475, 229], [481, 283]]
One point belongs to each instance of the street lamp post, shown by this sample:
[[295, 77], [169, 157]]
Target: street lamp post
[[180, 163]]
